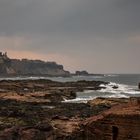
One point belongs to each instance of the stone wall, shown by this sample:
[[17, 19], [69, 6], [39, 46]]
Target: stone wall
[[115, 127], [118, 123]]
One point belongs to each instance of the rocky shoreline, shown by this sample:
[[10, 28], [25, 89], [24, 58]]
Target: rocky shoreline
[[33, 110], [45, 90]]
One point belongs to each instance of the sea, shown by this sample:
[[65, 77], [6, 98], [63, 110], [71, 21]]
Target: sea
[[127, 85]]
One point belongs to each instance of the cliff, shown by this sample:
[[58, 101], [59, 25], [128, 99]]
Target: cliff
[[29, 67]]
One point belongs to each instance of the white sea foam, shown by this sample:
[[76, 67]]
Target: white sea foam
[[121, 89], [77, 100], [110, 91], [110, 75]]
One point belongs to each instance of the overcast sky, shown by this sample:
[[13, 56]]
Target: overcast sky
[[100, 36]]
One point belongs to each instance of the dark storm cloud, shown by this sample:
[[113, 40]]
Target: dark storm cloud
[[42, 16], [93, 29]]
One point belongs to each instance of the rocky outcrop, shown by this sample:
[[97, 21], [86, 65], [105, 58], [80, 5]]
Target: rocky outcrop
[[121, 122], [42, 121], [68, 121], [29, 67], [83, 73], [45, 90], [60, 130], [107, 102], [33, 110]]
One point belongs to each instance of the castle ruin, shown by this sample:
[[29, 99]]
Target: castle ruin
[[3, 57], [3, 54]]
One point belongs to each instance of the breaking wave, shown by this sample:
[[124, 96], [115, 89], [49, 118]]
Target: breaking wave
[[120, 88], [112, 90]]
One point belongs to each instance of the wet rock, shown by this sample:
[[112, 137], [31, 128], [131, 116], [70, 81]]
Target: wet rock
[[115, 87], [45, 90]]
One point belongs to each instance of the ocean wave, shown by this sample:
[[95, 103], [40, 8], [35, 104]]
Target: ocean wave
[[110, 75], [119, 88], [77, 100], [21, 78], [112, 90], [86, 99]]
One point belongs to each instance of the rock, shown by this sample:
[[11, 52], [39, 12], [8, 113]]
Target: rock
[[134, 101], [28, 115], [56, 117], [121, 122], [44, 126], [9, 134], [45, 90], [115, 87], [107, 102], [81, 73], [32, 134], [139, 86]]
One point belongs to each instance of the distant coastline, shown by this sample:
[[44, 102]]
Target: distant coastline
[[25, 67]]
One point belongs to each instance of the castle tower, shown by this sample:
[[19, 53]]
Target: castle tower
[[4, 54], [0, 53]]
